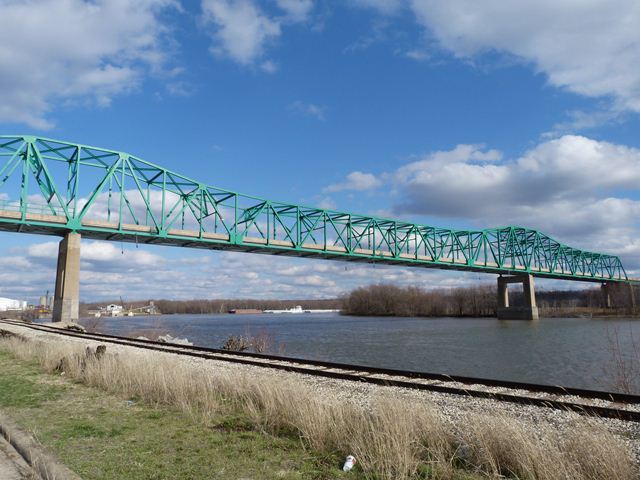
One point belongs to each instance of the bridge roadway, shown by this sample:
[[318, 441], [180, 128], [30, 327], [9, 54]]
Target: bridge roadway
[[112, 231], [71, 190]]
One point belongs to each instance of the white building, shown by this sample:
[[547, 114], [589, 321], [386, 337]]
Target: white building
[[112, 310], [10, 304]]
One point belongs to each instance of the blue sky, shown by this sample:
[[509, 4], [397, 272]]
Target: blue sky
[[460, 113]]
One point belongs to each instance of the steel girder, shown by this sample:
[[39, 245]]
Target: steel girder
[[51, 187]]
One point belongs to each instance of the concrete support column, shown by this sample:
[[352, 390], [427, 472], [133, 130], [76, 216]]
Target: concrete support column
[[527, 312], [66, 298], [606, 295], [503, 293], [529, 292]]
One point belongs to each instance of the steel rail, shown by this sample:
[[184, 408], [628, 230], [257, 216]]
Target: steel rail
[[362, 373]]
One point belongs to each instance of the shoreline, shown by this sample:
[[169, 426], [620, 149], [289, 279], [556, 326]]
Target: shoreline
[[522, 433], [543, 315], [452, 406], [434, 344]]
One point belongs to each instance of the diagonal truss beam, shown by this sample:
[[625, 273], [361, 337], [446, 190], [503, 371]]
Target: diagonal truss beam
[[52, 187]]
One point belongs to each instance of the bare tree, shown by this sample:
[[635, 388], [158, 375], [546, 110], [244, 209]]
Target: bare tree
[[624, 363]]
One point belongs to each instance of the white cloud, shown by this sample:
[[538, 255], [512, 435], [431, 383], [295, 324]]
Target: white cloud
[[419, 55], [580, 120], [356, 181], [74, 50], [309, 109], [326, 203], [241, 29], [590, 48], [296, 10], [102, 252], [269, 66], [105, 255], [43, 250], [572, 187], [180, 88], [14, 262]]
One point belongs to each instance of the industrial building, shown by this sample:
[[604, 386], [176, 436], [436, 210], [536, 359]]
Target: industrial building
[[10, 304]]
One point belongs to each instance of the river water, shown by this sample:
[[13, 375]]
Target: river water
[[573, 352]]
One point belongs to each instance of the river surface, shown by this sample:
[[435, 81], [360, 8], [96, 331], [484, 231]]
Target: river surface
[[573, 352]]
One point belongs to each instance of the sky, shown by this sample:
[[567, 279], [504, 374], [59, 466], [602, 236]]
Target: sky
[[461, 114]]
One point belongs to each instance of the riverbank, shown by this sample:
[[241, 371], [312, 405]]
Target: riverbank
[[395, 433], [580, 353], [111, 437]]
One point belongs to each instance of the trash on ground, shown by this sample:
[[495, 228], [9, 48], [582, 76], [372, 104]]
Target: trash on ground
[[349, 463]]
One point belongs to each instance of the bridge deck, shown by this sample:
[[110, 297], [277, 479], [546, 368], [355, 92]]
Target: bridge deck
[[102, 230], [53, 187]]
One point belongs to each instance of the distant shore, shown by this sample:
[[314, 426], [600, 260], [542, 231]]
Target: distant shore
[[481, 301], [395, 301]]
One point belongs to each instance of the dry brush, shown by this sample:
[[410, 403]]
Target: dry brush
[[392, 438]]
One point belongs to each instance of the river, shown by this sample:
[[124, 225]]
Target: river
[[573, 352]]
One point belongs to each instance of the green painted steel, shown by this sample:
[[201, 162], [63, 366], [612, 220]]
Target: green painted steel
[[52, 187]]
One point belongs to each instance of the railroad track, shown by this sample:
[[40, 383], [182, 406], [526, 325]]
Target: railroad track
[[587, 402]]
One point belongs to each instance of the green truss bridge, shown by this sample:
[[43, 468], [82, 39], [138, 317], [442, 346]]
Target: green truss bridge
[[67, 189]]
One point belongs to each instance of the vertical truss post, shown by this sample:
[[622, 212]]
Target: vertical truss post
[[24, 184]]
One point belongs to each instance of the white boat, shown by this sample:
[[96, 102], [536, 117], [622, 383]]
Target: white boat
[[299, 309], [296, 309]]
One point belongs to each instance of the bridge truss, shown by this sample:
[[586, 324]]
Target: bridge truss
[[52, 187]]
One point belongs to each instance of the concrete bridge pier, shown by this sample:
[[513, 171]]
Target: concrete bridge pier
[[605, 288], [614, 294], [527, 312], [66, 300]]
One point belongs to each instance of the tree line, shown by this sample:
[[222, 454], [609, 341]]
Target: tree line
[[481, 301], [391, 300]]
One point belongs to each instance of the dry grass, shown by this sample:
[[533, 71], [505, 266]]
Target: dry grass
[[392, 439], [598, 454], [623, 367], [501, 446]]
